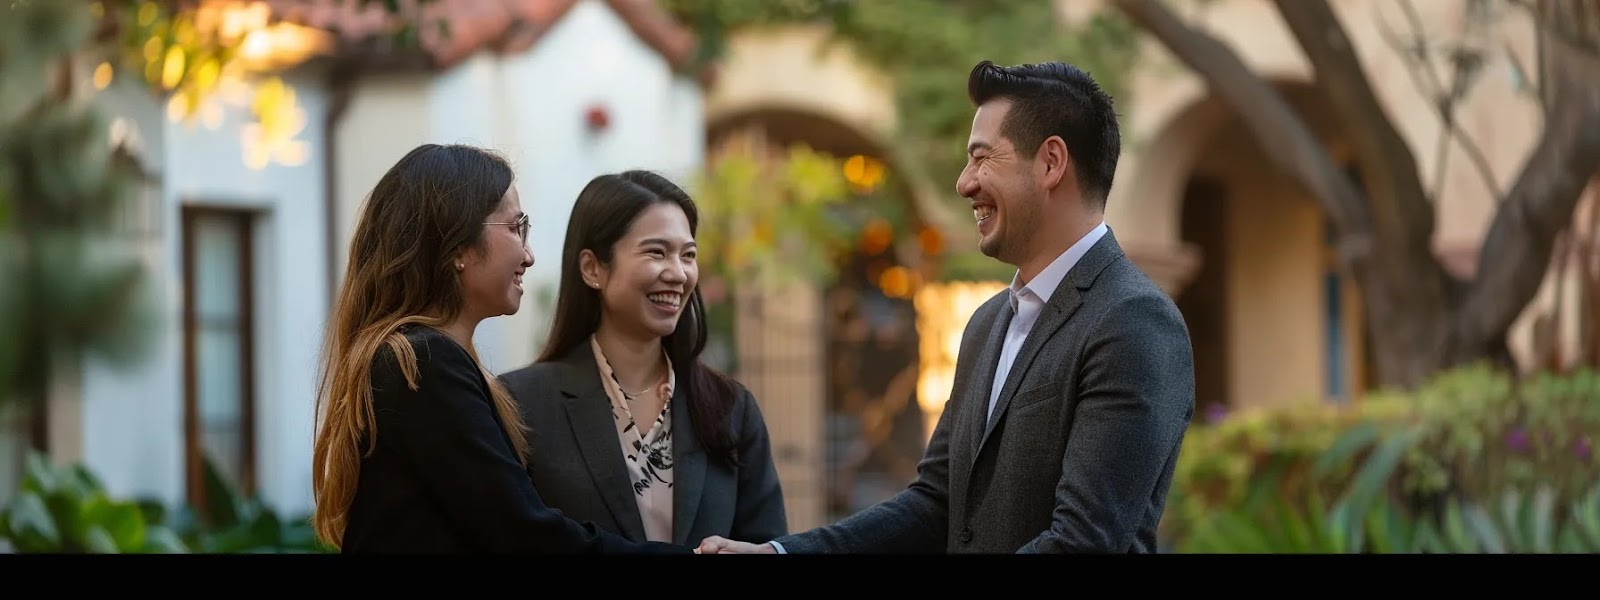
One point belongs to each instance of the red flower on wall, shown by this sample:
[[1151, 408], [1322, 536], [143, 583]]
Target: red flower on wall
[[597, 117]]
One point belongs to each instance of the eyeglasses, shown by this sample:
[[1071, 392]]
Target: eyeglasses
[[520, 226]]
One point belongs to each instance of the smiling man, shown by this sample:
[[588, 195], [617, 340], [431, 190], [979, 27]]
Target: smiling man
[[1073, 387]]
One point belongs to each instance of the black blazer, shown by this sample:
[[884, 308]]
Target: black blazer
[[444, 477], [1081, 448], [578, 465]]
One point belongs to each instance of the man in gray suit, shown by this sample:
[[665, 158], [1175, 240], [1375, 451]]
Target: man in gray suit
[[1074, 387]]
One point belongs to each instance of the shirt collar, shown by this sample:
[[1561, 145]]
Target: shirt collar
[[1044, 284]]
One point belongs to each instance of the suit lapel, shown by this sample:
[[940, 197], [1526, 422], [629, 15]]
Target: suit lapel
[[1064, 302], [688, 468], [988, 364], [589, 411]]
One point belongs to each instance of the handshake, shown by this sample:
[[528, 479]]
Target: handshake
[[722, 545]]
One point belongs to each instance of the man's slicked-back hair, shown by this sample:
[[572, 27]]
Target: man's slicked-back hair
[[1055, 99]]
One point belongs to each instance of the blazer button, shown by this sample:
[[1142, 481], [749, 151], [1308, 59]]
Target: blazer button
[[966, 535]]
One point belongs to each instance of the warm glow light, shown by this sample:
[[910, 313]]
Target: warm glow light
[[943, 310], [172, 67], [896, 282], [863, 173], [876, 236], [281, 119], [102, 76]]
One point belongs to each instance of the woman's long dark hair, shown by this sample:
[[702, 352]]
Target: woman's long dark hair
[[429, 205], [604, 211]]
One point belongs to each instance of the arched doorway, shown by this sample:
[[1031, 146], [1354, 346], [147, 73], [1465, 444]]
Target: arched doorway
[[833, 360], [1273, 318]]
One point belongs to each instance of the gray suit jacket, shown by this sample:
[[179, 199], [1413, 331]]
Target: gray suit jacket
[[1085, 434], [577, 464]]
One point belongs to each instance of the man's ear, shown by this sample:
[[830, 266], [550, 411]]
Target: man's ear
[[589, 266], [1053, 152]]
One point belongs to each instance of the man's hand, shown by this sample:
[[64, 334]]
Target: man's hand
[[722, 545]]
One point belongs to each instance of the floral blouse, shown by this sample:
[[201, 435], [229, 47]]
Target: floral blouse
[[648, 453]]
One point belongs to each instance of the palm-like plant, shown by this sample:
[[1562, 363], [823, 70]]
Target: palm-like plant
[[71, 287]]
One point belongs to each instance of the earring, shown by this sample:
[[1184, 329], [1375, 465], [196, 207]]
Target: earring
[[460, 266]]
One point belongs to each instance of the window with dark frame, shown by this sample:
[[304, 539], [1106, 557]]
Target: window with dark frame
[[218, 349]]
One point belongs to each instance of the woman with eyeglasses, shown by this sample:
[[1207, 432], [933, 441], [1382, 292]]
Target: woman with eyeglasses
[[418, 448], [632, 430]]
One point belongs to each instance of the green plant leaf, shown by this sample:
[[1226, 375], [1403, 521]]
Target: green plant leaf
[[1483, 529], [125, 525], [160, 540], [38, 475], [1543, 520], [1296, 528], [1456, 534], [1586, 519], [31, 527], [97, 541], [222, 503], [1426, 540], [1388, 530], [1355, 440], [1513, 520]]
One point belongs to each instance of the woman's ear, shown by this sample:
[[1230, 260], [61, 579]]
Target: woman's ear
[[464, 258], [589, 267]]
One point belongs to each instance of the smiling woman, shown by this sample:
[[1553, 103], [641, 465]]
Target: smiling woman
[[615, 438]]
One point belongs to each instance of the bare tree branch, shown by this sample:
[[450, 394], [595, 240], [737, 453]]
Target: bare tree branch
[[1402, 216], [1418, 58], [1282, 133], [1516, 250], [1414, 56]]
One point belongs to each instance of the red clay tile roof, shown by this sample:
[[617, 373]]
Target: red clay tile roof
[[499, 25]]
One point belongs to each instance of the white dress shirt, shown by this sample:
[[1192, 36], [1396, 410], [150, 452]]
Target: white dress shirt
[[1026, 300]]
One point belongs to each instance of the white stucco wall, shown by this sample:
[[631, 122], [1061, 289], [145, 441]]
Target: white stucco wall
[[132, 429], [590, 58]]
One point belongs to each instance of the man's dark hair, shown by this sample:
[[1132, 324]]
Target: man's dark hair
[[1055, 99]]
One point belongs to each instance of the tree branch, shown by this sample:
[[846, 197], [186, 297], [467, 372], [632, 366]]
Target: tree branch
[[1414, 59], [1403, 219], [1283, 135], [1515, 254], [1419, 61]]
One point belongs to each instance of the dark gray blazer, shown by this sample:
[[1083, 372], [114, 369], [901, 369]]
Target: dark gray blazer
[[1084, 439], [578, 468]]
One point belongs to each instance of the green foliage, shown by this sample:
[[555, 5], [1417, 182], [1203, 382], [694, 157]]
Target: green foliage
[[65, 509], [772, 220], [927, 48], [1472, 462], [78, 289]]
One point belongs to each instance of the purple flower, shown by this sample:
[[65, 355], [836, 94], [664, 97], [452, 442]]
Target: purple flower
[[1582, 449], [1215, 413], [1517, 440]]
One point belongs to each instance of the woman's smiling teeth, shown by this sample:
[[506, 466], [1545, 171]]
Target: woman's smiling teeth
[[668, 299]]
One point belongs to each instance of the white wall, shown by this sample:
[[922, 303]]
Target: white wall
[[133, 419], [382, 122], [590, 58]]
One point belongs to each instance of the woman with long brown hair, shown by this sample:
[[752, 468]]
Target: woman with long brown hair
[[418, 447]]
